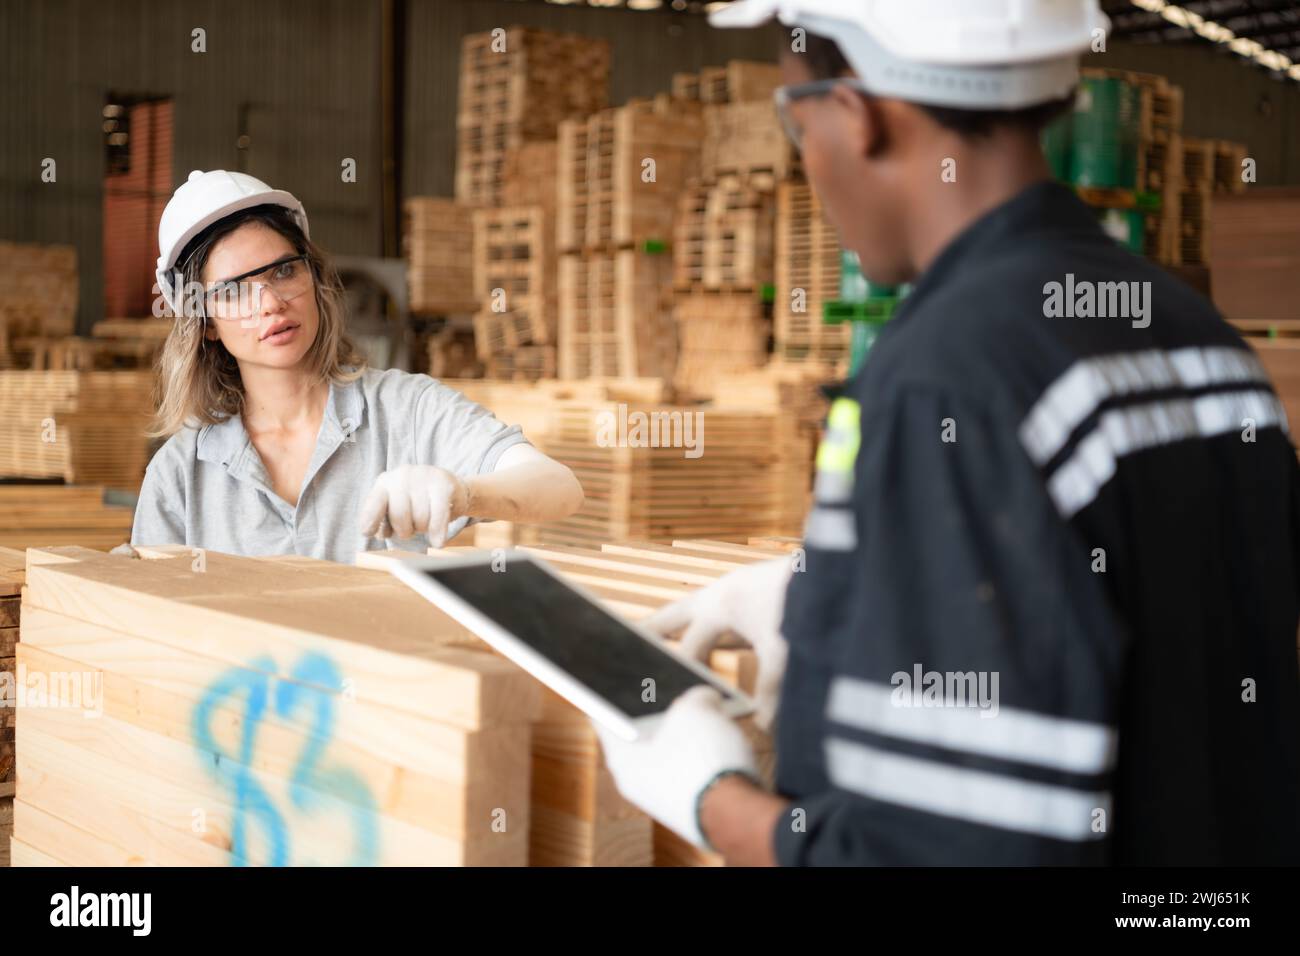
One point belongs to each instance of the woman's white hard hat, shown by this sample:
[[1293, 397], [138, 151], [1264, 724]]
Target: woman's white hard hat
[[965, 54], [200, 201]]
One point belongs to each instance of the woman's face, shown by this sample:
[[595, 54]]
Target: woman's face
[[256, 324]]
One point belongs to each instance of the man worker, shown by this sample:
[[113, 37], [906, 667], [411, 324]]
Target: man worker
[[1049, 609]]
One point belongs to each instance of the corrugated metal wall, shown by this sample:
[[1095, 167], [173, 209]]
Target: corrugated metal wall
[[300, 78]]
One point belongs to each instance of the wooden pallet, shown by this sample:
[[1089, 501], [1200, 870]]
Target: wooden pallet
[[807, 261], [514, 274], [12, 574], [438, 245], [417, 738], [605, 198], [81, 427], [739, 81], [515, 89], [1228, 160], [718, 333], [615, 315], [723, 235], [746, 138]]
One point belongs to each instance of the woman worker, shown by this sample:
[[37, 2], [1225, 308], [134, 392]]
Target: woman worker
[[280, 440]]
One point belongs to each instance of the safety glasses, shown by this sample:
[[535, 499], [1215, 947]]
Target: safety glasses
[[783, 96], [241, 296]]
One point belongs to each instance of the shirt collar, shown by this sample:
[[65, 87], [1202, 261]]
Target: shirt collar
[[226, 442], [1043, 207]]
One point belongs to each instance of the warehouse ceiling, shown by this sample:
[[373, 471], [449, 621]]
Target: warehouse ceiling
[[1273, 24], [1263, 32]]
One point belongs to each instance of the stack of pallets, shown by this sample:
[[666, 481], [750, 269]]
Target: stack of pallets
[[438, 245], [516, 85], [1156, 164], [261, 711], [82, 427], [38, 295], [514, 278], [722, 248], [620, 174], [659, 472], [739, 81], [1196, 188], [807, 277]]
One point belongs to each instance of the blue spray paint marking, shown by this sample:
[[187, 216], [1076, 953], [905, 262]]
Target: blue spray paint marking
[[309, 781]]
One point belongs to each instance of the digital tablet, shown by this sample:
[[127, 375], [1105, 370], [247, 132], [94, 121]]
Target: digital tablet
[[614, 672]]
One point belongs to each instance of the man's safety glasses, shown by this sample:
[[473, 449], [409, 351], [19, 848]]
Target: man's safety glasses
[[241, 297], [783, 96]]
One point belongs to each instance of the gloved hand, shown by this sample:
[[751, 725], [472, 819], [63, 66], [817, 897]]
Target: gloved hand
[[748, 601], [665, 773], [411, 500]]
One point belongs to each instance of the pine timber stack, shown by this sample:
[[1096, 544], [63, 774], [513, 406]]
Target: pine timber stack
[[660, 472], [261, 710], [82, 427], [621, 172], [1255, 255], [38, 516], [578, 817], [438, 245], [516, 86], [38, 293], [514, 281], [12, 569], [718, 333], [807, 277]]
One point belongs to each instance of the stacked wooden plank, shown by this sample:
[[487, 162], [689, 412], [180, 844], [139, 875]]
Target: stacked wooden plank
[[438, 245], [807, 277], [84, 427], [37, 516], [261, 710], [718, 333], [1255, 254], [38, 293], [620, 174], [1229, 160], [12, 571], [578, 816], [514, 279], [658, 472], [516, 86]]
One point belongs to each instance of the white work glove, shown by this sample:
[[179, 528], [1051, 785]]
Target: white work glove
[[665, 774], [411, 500], [748, 601]]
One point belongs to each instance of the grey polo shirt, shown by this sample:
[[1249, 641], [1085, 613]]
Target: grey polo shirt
[[207, 487]]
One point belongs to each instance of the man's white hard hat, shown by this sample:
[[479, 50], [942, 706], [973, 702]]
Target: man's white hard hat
[[202, 200], [966, 54]]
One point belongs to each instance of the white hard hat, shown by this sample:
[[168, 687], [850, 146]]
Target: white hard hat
[[967, 54], [202, 200]]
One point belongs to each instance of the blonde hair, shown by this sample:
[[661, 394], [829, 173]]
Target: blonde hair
[[198, 381]]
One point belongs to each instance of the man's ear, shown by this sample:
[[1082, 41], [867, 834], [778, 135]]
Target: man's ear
[[862, 118]]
